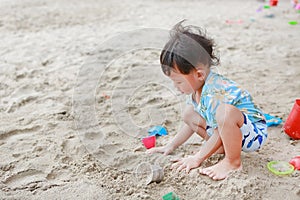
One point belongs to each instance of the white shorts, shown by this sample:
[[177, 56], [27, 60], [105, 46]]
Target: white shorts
[[254, 134]]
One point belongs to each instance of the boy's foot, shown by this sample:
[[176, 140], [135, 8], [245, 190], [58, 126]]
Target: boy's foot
[[221, 170]]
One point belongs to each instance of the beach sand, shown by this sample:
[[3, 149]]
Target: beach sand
[[80, 85]]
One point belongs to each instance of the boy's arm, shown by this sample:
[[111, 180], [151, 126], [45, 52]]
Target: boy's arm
[[209, 147], [182, 136]]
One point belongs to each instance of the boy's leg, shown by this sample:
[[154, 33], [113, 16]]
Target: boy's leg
[[229, 120], [197, 124], [195, 121]]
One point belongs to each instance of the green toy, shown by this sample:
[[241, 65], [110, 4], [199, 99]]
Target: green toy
[[280, 167], [293, 23], [170, 196]]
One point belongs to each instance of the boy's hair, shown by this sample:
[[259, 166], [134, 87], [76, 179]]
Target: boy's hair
[[188, 46]]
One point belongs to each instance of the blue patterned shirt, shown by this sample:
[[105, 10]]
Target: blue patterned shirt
[[218, 89]]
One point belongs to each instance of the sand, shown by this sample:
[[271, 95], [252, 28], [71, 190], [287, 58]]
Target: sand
[[80, 85]]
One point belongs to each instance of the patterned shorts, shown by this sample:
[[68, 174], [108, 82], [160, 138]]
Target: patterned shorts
[[254, 134]]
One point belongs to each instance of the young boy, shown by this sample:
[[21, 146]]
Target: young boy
[[218, 109]]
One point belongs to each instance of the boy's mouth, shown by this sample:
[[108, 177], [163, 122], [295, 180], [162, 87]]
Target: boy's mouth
[[179, 91]]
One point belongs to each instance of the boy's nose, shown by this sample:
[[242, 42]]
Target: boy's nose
[[178, 89], [175, 86]]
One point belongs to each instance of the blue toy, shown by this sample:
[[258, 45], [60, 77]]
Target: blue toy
[[158, 131], [272, 120]]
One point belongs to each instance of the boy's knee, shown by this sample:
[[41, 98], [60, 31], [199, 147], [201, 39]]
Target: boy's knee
[[226, 113], [221, 113], [187, 114]]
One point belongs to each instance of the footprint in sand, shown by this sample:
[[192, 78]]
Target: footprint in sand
[[23, 178], [19, 133], [21, 97], [107, 153]]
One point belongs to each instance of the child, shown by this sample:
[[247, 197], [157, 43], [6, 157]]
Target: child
[[218, 109]]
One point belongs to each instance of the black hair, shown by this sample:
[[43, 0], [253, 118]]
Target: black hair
[[188, 46]]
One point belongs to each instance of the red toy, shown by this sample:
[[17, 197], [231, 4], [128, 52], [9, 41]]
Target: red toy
[[273, 2], [149, 142], [292, 125], [296, 162]]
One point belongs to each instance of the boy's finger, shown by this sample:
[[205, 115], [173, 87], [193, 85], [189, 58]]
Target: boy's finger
[[173, 166], [150, 151], [167, 152], [175, 159], [180, 168], [153, 150], [187, 169]]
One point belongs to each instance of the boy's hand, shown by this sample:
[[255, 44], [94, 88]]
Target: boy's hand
[[164, 150], [187, 163]]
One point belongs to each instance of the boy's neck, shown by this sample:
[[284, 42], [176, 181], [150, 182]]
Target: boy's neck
[[197, 94]]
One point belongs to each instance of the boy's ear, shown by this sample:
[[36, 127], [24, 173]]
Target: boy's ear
[[201, 74]]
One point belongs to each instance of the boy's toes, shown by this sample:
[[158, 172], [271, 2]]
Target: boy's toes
[[210, 173], [218, 177], [201, 171], [207, 171]]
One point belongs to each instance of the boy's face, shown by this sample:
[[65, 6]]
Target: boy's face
[[186, 83]]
